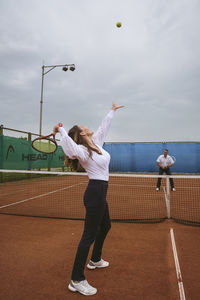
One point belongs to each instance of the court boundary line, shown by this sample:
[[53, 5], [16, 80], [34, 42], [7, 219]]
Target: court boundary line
[[41, 195], [167, 202], [177, 265]]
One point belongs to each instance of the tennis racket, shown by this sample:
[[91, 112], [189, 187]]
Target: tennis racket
[[169, 161], [45, 144], [174, 158]]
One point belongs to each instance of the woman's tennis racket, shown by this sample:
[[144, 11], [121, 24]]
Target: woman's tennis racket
[[46, 144]]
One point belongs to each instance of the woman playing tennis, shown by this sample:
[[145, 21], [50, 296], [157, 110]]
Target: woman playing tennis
[[85, 146]]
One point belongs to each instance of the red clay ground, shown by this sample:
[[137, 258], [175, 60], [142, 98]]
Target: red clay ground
[[128, 198], [37, 255]]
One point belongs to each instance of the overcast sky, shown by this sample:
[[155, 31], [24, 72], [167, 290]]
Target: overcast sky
[[151, 65]]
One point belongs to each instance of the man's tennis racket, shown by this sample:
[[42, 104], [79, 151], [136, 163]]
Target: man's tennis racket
[[174, 158], [169, 161], [46, 144]]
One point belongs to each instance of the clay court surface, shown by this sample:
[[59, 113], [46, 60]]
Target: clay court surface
[[129, 198], [37, 253], [37, 256]]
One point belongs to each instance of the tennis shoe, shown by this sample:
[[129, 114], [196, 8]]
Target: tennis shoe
[[173, 190], [157, 189], [99, 264], [83, 287]]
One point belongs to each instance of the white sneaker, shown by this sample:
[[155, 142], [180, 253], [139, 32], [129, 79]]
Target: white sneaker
[[83, 287], [173, 190], [100, 264], [157, 189]]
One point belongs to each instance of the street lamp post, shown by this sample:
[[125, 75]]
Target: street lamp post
[[50, 68]]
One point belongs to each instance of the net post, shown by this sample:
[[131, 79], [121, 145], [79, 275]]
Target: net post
[[168, 197], [29, 136], [1, 129], [50, 156], [29, 163], [1, 177], [1, 150]]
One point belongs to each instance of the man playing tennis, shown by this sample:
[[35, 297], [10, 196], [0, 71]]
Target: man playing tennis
[[81, 144], [164, 162]]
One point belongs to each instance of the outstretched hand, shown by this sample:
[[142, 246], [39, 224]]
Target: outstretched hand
[[55, 129], [116, 106]]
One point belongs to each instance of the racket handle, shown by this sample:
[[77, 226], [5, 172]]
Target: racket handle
[[60, 125]]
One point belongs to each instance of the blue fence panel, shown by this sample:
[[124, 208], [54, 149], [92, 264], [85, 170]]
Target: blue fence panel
[[198, 158], [122, 159], [141, 157], [145, 157], [187, 156]]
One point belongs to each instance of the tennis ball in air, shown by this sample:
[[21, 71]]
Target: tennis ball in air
[[119, 24]]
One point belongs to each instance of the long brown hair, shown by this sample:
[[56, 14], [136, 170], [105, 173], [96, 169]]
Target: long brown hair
[[74, 164]]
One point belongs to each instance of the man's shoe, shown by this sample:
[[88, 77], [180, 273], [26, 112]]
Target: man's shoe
[[173, 190], [157, 189], [100, 264], [83, 287]]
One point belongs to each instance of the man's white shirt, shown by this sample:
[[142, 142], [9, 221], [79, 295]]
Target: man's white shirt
[[165, 161]]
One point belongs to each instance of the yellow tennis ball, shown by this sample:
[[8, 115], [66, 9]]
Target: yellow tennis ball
[[119, 24]]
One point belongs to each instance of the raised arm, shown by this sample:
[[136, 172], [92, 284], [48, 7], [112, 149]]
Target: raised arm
[[101, 133]]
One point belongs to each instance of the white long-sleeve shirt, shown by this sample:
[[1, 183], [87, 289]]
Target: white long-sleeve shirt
[[96, 166]]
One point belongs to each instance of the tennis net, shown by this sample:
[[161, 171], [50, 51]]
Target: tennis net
[[131, 197]]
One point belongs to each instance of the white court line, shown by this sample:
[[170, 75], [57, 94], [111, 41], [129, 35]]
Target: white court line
[[178, 270], [167, 203], [38, 196], [164, 189]]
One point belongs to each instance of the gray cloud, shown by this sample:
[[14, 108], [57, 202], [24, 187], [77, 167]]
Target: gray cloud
[[150, 65]]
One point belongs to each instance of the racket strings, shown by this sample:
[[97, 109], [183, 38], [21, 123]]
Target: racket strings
[[44, 145]]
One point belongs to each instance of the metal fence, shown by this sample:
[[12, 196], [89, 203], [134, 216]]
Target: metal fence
[[17, 153]]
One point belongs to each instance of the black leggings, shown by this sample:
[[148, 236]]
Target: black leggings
[[97, 225]]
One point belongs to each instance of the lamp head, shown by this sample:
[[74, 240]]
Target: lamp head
[[65, 68], [72, 68]]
